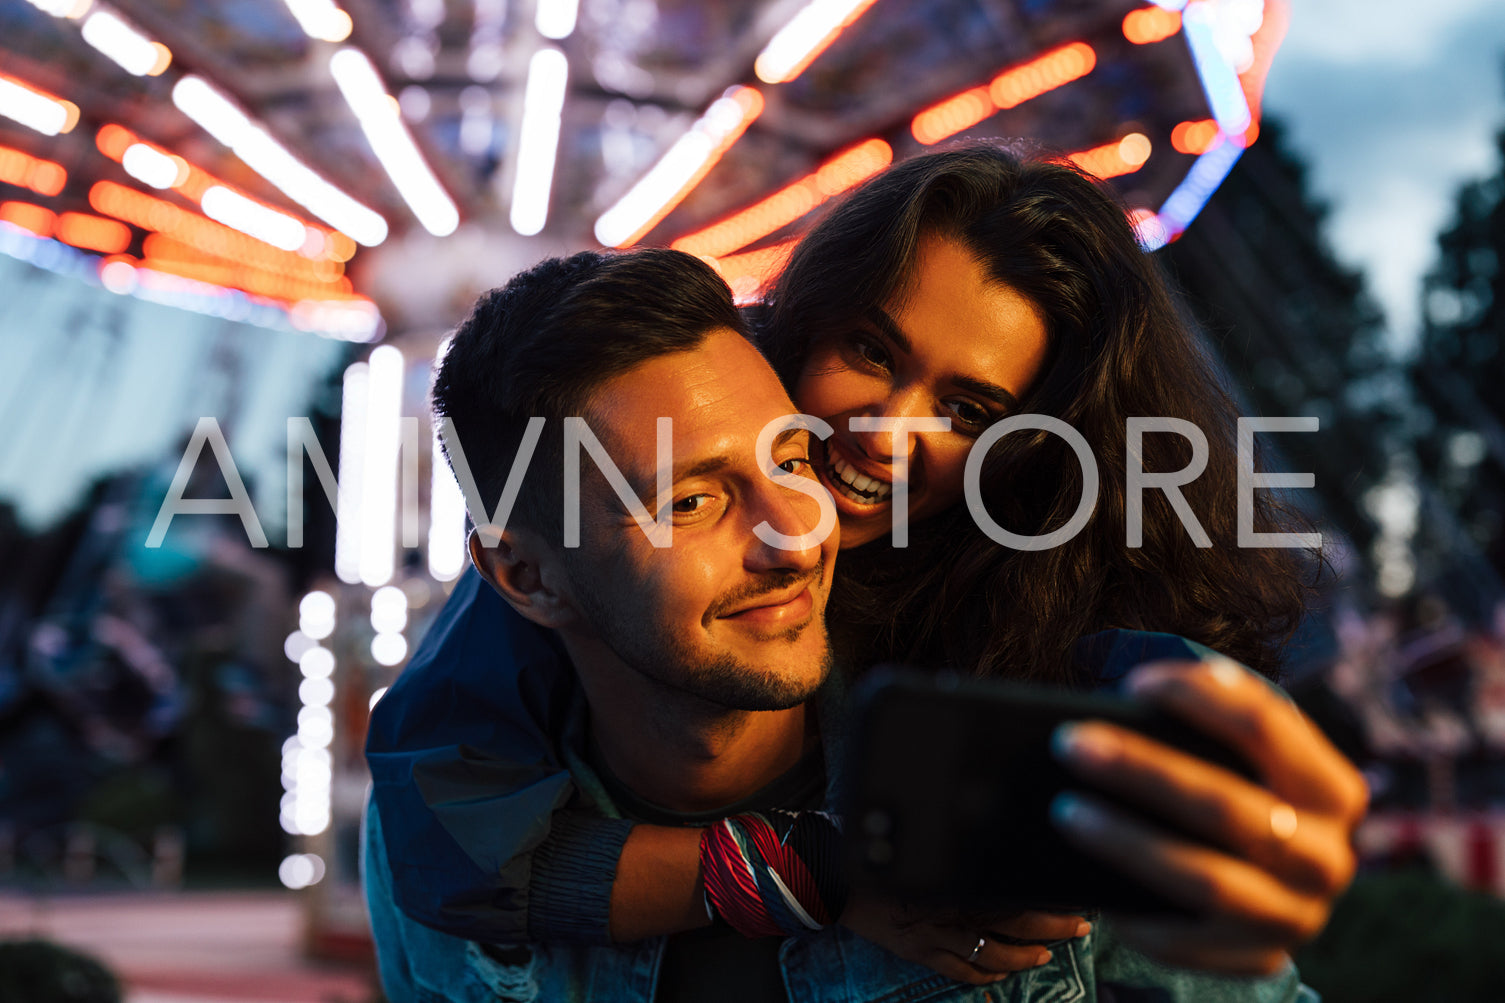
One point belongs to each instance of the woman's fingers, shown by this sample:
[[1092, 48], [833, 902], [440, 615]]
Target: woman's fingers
[[1293, 757], [1205, 881], [1309, 850], [1041, 927], [967, 949], [993, 957]]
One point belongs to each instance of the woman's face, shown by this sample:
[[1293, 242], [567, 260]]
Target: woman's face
[[958, 346]]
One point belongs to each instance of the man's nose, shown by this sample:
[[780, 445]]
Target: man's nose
[[794, 515]]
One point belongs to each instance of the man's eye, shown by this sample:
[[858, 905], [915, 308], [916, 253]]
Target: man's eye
[[691, 504]]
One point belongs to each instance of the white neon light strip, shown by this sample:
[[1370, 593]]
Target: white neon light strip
[[391, 142], [35, 111], [347, 533], [321, 19], [556, 18], [378, 520], [252, 218], [1197, 187], [217, 115], [538, 143], [131, 50], [809, 29], [446, 520], [73, 9], [1220, 82], [673, 171], [150, 166]]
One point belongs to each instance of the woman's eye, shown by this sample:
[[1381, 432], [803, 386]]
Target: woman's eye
[[691, 504], [797, 465], [870, 352], [970, 414]]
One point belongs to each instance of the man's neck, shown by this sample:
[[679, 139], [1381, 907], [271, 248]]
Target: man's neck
[[680, 752]]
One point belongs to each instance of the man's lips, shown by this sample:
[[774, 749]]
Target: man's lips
[[787, 607]]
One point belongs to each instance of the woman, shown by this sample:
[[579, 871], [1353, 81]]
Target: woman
[[1060, 314]]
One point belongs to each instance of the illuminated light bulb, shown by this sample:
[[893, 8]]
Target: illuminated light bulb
[[381, 121], [25, 171], [389, 609], [804, 37], [1195, 137], [556, 18], [1056, 68], [317, 607], [51, 116], [252, 218], [389, 649], [843, 171], [680, 169], [316, 662], [1134, 149], [1151, 24], [93, 233], [952, 116], [113, 140], [153, 167], [316, 692], [1109, 161], [300, 870], [1009, 89], [127, 47], [118, 277], [538, 142], [33, 218]]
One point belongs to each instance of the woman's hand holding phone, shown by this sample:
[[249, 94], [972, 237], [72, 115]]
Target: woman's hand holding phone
[[1289, 843]]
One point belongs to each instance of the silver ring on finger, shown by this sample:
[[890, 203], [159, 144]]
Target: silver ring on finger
[[976, 950]]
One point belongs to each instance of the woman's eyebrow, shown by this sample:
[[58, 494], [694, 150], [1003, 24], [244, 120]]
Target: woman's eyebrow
[[890, 328], [992, 391]]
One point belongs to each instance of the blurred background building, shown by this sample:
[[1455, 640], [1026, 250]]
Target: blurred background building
[[233, 236]]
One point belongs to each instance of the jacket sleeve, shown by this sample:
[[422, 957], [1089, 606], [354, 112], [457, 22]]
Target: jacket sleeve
[[488, 835], [1123, 975]]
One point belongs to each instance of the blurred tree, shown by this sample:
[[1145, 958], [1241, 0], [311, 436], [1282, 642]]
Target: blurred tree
[[1295, 330], [1459, 370]]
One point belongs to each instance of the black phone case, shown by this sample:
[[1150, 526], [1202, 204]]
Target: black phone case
[[950, 783]]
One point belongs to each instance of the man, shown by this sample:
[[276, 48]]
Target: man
[[695, 661]]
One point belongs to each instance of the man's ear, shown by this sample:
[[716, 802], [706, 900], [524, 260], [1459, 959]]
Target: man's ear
[[527, 574]]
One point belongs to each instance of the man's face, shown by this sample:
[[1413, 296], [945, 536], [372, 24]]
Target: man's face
[[719, 614]]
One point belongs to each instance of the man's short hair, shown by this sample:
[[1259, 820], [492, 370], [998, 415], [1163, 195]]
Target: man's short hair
[[540, 346]]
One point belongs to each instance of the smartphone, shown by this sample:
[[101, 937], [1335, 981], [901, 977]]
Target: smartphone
[[949, 786]]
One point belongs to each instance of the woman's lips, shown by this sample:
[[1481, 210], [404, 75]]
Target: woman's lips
[[848, 497]]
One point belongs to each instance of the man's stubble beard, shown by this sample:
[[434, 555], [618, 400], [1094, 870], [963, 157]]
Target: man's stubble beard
[[717, 678]]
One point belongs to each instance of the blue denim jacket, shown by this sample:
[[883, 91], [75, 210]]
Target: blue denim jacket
[[422, 965], [474, 759]]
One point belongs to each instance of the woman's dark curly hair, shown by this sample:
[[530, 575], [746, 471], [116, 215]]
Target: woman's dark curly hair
[[1118, 348]]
